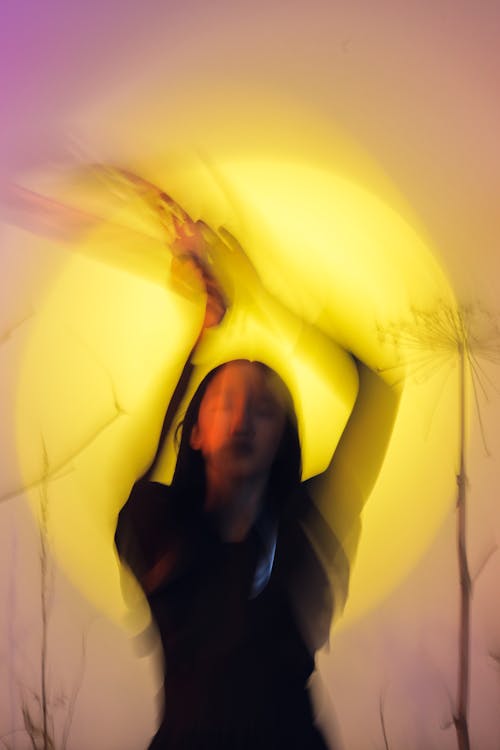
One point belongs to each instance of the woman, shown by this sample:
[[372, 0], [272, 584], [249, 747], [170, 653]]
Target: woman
[[237, 592], [223, 560]]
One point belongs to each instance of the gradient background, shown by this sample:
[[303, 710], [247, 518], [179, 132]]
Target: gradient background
[[407, 95]]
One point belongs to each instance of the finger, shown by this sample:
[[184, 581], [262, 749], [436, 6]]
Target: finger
[[231, 240]]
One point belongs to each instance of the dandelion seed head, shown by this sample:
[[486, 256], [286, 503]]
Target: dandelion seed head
[[437, 339]]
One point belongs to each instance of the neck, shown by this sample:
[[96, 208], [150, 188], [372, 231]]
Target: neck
[[235, 504]]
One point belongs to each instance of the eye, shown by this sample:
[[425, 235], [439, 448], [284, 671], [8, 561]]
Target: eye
[[266, 408]]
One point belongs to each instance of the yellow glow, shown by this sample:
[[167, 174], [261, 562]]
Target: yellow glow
[[112, 338]]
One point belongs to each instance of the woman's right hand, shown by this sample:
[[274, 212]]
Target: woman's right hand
[[203, 260]]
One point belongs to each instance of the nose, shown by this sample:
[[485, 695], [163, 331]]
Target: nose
[[242, 422]]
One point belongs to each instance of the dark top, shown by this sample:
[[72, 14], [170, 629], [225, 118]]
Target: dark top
[[236, 660]]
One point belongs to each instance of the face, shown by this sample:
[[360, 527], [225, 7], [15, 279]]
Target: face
[[240, 421]]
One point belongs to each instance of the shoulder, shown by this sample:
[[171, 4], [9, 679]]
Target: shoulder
[[146, 503], [146, 494], [143, 521]]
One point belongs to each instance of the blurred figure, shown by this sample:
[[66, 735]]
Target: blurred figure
[[224, 561], [235, 587]]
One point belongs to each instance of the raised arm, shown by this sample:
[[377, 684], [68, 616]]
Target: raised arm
[[146, 536]]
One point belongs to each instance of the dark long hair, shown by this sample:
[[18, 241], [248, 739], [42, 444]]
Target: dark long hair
[[188, 481]]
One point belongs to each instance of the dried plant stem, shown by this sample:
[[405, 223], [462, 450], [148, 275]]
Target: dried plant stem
[[460, 335], [44, 583], [381, 713], [461, 716]]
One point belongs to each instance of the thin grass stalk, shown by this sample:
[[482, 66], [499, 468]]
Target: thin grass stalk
[[381, 713], [44, 614], [461, 717]]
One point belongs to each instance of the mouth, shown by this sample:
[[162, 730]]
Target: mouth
[[242, 446]]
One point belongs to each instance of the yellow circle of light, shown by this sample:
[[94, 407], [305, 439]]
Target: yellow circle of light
[[338, 265]]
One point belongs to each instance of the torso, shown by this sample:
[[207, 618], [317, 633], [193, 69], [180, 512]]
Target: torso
[[236, 664]]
